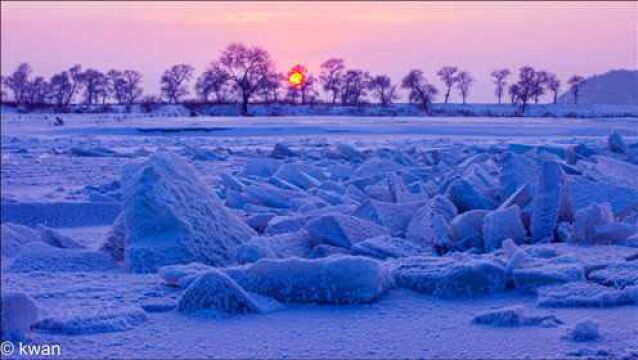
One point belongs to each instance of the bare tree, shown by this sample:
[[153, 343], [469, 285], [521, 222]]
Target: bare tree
[[383, 90], [212, 81], [307, 88], [527, 79], [250, 69], [500, 82], [37, 91], [354, 86], [126, 85], [463, 83], [331, 76], [60, 88], [539, 82], [574, 83], [421, 92], [513, 91], [270, 89], [448, 76], [553, 84], [95, 85], [175, 81], [18, 83]]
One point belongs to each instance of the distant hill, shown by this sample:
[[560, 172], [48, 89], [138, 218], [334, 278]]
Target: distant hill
[[612, 87]]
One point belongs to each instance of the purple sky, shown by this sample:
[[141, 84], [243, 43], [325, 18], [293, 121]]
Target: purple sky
[[391, 38]]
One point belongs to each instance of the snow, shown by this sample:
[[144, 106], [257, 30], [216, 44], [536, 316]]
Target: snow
[[334, 280], [98, 320], [342, 230], [19, 312], [407, 258], [171, 217], [38, 256], [584, 330], [449, 278], [512, 316], [215, 290]]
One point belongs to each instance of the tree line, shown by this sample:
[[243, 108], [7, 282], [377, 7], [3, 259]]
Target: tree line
[[247, 74]]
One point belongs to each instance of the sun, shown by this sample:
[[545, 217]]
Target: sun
[[297, 76]]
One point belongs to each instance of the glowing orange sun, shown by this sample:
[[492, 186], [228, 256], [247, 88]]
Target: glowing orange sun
[[297, 76]]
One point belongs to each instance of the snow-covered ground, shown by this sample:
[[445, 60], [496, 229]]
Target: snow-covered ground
[[320, 237]]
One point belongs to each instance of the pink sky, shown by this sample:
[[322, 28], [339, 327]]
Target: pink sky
[[391, 38]]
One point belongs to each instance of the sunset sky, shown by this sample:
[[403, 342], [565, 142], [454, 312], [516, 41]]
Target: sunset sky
[[390, 38]]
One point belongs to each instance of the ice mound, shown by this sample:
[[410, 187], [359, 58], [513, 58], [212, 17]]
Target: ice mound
[[293, 175], [552, 202], [547, 272], [512, 316], [38, 256], [261, 167], [342, 230], [619, 275], [171, 216], [385, 246], [448, 277], [466, 196], [392, 216], [582, 294], [182, 275], [584, 330], [216, 290], [285, 224], [334, 280], [282, 151], [19, 313], [14, 236], [616, 143], [278, 246], [500, 225], [92, 321], [467, 230]]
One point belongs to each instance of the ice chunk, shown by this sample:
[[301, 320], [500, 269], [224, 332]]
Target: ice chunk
[[447, 277], [285, 224], [587, 219], [552, 202], [216, 290], [182, 275], [467, 197], [293, 175], [443, 206], [282, 151], [19, 312], [467, 230], [259, 222], [92, 321], [335, 280], [171, 217], [342, 230], [14, 236], [616, 143], [393, 216], [584, 330], [115, 241], [500, 225], [53, 238], [518, 170], [385, 246], [515, 315], [521, 197], [94, 152], [547, 272], [582, 294], [278, 246], [619, 275], [261, 167], [614, 233], [38, 256], [349, 153]]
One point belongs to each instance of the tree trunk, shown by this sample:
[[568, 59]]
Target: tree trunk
[[447, 95], [244, 104], [555, 97]]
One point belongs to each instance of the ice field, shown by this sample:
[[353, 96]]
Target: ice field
[[320, 237]]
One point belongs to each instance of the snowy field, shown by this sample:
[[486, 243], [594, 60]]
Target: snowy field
[[320, 237]]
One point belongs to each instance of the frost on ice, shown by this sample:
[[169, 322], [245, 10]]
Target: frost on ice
[[170, 216], [19, 312]]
